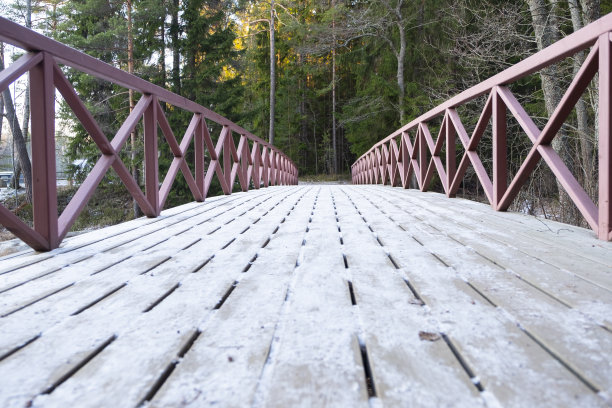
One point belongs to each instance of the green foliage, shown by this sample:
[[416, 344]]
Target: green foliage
[[98, 28], [224, 65], [208, 71]]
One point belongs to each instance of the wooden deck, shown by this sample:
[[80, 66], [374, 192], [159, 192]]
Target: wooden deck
[[312, 295]]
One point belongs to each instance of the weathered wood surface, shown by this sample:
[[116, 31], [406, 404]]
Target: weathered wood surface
[[312, 295]]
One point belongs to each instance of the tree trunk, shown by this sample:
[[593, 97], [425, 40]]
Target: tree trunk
[[272, 74], [26, 112], [582, 115], [28, 15], [16, 174], [334, 143], [1, 115], [19, 141], [303, 124], [176, 56], [26, 103], [591, 10], [162, 51], [20, 144], [401, 57], [54, 18], [413, 183], [314, 141], [1, 97], [133, 165], [546, 29]]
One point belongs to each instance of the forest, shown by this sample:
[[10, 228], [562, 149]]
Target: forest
[[323, 80]]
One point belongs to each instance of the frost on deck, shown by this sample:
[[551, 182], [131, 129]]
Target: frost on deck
[[314, 295]]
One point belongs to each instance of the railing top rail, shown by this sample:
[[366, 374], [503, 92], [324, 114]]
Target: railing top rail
[[417, 155], [569, 45], [14, 34]]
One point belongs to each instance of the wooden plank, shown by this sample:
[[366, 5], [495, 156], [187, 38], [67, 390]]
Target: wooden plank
[[505, 360], [29, 257], [98, 323], [288, 334], [535, 233], [408, 371], [225, 364], [578, 342], [537, 227], [79, 247], [166, 329], [46, 276], [153, 255], [315, 357], [582, 267], [94, 246], [543, 230], [591, 299]]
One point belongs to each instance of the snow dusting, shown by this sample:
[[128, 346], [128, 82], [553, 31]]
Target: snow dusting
[[312, 295]]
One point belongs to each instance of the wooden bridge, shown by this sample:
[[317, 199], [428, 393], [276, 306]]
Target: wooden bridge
[[309, 295], [312, 295]]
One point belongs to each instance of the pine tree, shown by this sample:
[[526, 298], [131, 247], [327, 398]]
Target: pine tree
[[98, 28]]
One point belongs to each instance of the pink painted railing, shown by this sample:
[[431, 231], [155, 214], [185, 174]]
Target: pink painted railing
[[253, 159], [405, 152]]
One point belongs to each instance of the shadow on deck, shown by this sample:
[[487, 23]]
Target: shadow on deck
[[315, 295]]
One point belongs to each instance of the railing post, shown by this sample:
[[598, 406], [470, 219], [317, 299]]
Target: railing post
[[151, 160], [451, 154], [277, 174], [256, 169], [376, 160], [244, 162], [605, 137], [272, 176], [422, 157], [406, 161], [285, 165], [393, 162], [279, 171], [384, 170], [363, 171], [227, 161], [44, 185], [200, 167], [264, 167], [270, 170], [500, 164], [372, 171]]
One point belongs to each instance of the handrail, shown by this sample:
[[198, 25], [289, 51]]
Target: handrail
[[253, 160], [32, 41], [386, 161]]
